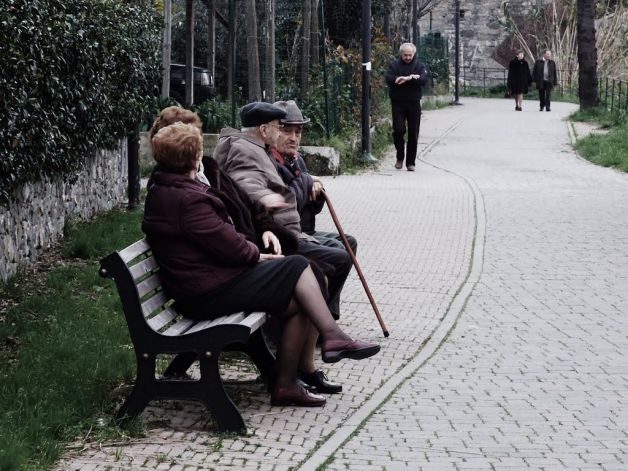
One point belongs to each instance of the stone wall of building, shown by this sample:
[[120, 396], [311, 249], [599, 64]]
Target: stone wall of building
[[480, 34], [36, 214]]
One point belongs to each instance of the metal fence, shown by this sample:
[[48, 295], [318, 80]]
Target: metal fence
[[490, 81]]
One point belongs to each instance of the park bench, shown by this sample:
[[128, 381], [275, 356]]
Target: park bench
[[156, 328]]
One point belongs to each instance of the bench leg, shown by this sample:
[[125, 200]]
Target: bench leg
[[141, 394], [216, 399]]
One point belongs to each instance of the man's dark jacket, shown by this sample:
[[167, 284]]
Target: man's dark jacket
[[411, 91], [537, 73]]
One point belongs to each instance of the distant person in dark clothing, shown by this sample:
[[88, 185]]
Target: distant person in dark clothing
[[518, 79], [406, 77], [544, 75]]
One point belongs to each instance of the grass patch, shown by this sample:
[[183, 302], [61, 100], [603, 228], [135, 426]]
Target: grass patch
[[609, 150], [600, 116], [64, 345]]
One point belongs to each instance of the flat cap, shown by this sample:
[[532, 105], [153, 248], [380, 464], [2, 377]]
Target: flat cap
[[293, 113], [259, 112]]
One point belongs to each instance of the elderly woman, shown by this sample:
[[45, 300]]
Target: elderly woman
[[519, 79], [211, 269]]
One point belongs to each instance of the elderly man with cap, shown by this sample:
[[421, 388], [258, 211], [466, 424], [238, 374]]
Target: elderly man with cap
[[243, 156], [307, 189]]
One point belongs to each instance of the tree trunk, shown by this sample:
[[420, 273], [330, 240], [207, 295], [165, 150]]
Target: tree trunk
[[305, 50], [166, 49], [270, 51], [211, 41], [252, 51], [587, 55], [315, 36]]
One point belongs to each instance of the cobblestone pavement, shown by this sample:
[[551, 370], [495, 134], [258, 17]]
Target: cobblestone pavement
[[500, 271], [534, 375]]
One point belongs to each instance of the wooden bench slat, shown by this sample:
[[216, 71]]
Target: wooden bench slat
[[152, 304], [229, 319], [145, 266], [134, 250], [162, 319], [148, 285], [179, 328], [254, 320]]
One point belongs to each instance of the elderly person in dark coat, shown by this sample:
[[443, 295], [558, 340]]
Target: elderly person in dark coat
[[519, 79], [211, 269], [308, 190], [406, 77], [544, 75]]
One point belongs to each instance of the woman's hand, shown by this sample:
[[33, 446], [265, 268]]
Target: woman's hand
[[270, 240]]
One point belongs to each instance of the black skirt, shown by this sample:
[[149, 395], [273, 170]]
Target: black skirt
[[268, 287]]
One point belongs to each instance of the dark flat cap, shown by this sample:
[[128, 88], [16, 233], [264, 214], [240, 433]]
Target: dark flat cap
[[293, 113], [259, 112]]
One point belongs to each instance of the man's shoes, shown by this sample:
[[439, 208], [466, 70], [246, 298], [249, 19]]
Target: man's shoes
[[548, 109], [399, 164], [320, 383], [410, 168], [300, 397], [335, 350], [517, 108], [541, 109]]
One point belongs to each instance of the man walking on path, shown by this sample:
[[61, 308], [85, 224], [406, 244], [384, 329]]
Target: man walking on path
[[406, 77], [544, 74]]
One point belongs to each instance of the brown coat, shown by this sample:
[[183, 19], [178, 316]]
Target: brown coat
[[246, 161]]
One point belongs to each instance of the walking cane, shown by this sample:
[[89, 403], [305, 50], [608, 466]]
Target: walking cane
[[355, 263]]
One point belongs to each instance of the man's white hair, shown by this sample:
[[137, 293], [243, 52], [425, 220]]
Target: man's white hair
[[249, 129], [407, 46]]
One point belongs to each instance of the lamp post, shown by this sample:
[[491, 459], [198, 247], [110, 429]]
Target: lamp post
[[414, 7], [457, 52], [366, 82]]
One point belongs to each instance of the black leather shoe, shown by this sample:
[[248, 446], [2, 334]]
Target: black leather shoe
[[299, 396], [318, 382]]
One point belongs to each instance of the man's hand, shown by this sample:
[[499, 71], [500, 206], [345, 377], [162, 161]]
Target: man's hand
[[273, 202], [270, 240], [317, 188], [403, 79]]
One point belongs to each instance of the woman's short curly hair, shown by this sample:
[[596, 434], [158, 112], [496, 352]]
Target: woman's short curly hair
[[174, 114], [177, 148]]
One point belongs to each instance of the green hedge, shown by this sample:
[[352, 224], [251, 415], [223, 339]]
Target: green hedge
[[74, 77]]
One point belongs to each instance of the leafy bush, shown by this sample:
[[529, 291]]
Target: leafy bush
[[75, 76], [215, 114]]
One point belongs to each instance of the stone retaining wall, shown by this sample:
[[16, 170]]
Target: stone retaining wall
[[37, 212]]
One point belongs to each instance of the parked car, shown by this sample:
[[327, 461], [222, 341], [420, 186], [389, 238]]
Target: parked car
[[203, 84]]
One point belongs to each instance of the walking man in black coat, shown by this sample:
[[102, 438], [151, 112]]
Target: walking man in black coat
[[544, 75], [406, 77]]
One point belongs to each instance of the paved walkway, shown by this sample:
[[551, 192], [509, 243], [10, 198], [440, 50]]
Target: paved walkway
[[501, 270]]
